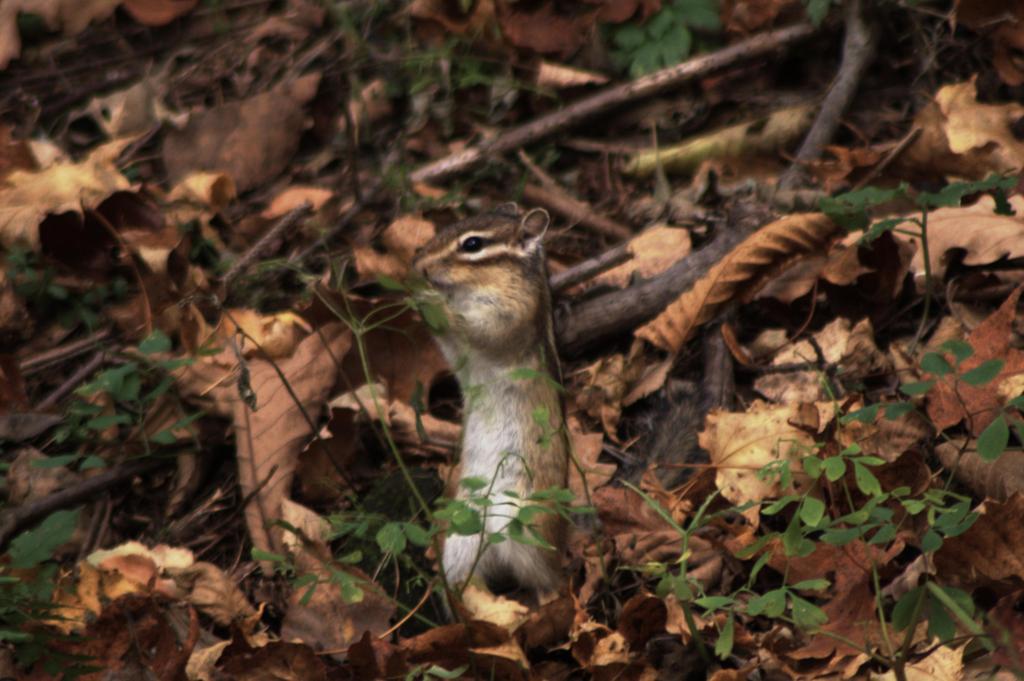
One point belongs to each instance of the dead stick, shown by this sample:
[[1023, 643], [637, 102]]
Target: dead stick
[[590, 268], [558, 201], [62, 352], [858, 52], [21, 516], [286, 222], [83, 372], [596, 320], [644, 86]]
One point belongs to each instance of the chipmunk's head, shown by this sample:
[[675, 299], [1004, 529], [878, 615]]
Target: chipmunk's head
[[488, 274]]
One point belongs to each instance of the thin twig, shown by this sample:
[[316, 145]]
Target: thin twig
[[63, 352], [610, 97], [858, 52], [893, 154], [21, 516], [83, 372], [258, 249], [576, 211], [590, 268]]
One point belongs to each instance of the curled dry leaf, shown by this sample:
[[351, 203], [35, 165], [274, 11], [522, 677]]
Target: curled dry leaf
[[293, 197], [214, 593], [587, 447], [205, 189], [399, 243], [964, 137], [273, 335], [26, 198], [997, 480], [738, 275], [982, 235], [559, 76]]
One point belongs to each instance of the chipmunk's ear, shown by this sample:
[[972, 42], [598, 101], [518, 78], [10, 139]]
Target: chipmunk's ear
[[534, 225]]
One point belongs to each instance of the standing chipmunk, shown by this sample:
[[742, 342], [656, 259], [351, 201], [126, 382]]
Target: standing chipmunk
[[489, 276]]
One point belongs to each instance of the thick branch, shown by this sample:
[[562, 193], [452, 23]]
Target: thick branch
[[596, 320]]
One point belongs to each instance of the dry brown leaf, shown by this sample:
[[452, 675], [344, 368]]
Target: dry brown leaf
[[983, 236], [28, 481], [273, 335], [473, 23], [270, 439], [741, 444], [544, 29], [654, 251], [850, 347], [964, 137], [26, 198], [587, 447], [295, 196], [214, 593], [997, 480], [14, 154], [70, 15], [560, 76], [951, 402], [399, 242], [326, 619], [158, 12], [991, 550], [208, 190], [738, 275], [221, 138]]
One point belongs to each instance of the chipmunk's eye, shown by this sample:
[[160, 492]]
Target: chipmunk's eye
[[471, 244]]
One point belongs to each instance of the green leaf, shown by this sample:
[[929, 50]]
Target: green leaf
[[983, 373], [416, 534], [390, 284], [840, 537], [260, 554], [812, 511], [723, 646], [918, 388], [806, 614], [817, 10], [934, 363], [107, 420], [391, 538], [434, 316], [811, 585], [895, 410], [960, 349], [54, 461], [904, 608], [163, 437], [850, 210], [661, 24], [629, 36], [866, 480], [952, 194], [835, 468], [700, 14], [931, 541], [92, 461], [32, 547], [864, 415], [713, 603], [155, 342], [993, 440], [771, 604], [812, 466]]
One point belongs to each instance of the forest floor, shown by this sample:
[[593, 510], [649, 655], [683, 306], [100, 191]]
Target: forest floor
[[786, 278]]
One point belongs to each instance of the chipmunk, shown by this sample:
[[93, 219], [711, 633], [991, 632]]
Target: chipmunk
[[489, 276]]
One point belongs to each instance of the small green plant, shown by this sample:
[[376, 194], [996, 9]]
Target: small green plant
[[852, 211], [130, 389], [666, 38], [47, 299]]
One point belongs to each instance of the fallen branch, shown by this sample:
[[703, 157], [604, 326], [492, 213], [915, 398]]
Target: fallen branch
[[575, 211], [858, 52], [22, 516], [645, 86], [596, 320], [590, 268]]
